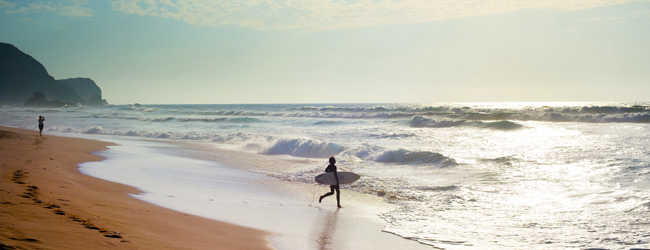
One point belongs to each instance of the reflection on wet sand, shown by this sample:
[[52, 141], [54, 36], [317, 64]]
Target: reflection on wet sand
[[325, 239]]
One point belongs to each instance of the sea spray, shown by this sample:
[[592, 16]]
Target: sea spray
[[304, 148], [400, 156]]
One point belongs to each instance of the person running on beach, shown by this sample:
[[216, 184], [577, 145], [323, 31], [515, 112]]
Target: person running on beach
[[41, 119], [332, 168]]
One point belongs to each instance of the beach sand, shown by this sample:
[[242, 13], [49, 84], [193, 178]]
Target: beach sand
[[46, 203]]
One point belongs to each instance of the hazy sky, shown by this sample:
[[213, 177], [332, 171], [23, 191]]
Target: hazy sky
[[320, 51]]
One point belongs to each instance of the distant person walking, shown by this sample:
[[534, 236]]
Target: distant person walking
[[332, 168], [41, 119]]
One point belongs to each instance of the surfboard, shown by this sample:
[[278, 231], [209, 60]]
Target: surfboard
[[344, 178]]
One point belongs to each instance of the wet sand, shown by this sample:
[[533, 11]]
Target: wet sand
[[46, 203]]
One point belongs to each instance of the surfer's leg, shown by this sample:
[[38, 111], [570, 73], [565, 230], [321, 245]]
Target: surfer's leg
[[327, 194], [338, 197]]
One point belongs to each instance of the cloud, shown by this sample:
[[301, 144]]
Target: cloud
[[598, 19], [622, 17], [74, 8], [334, 14], [639, 13]]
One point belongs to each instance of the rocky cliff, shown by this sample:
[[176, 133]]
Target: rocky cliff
[[38, 100], [21, 75], [87, 89]]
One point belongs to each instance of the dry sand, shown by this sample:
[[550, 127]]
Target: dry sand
[[45, 203]]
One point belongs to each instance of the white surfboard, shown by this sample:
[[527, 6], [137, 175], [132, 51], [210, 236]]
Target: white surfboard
[[344, 178]]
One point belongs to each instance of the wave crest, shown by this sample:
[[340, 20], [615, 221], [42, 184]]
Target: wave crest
[[201, 119], [138, 108], [305, 148], [502, 125], [402, 156], [422, 122]]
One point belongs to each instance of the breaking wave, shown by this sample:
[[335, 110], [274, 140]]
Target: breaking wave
[[605, 110], [400, 156], [422, 122], [136, 118], [403, 156], [167, 119], [201, 119], [138, 108], [445, 116], [243, 120], [502, 125], [305, 148], [99, 130], [309, 148], [325, 123]]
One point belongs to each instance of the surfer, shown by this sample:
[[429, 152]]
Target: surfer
[[332, 168], [41, 119]]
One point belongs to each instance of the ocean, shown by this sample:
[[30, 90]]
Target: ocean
[[456, 175]]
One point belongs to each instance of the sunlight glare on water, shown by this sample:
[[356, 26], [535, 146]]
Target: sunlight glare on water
[[541, 185]]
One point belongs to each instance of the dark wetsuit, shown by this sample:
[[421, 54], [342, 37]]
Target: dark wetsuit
[[40, 124], [332, 168]]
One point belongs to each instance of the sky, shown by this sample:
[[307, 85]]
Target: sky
[[338, 51]]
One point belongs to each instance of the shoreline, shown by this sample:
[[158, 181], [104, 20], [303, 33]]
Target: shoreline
[[46, 202], [253, 199]]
